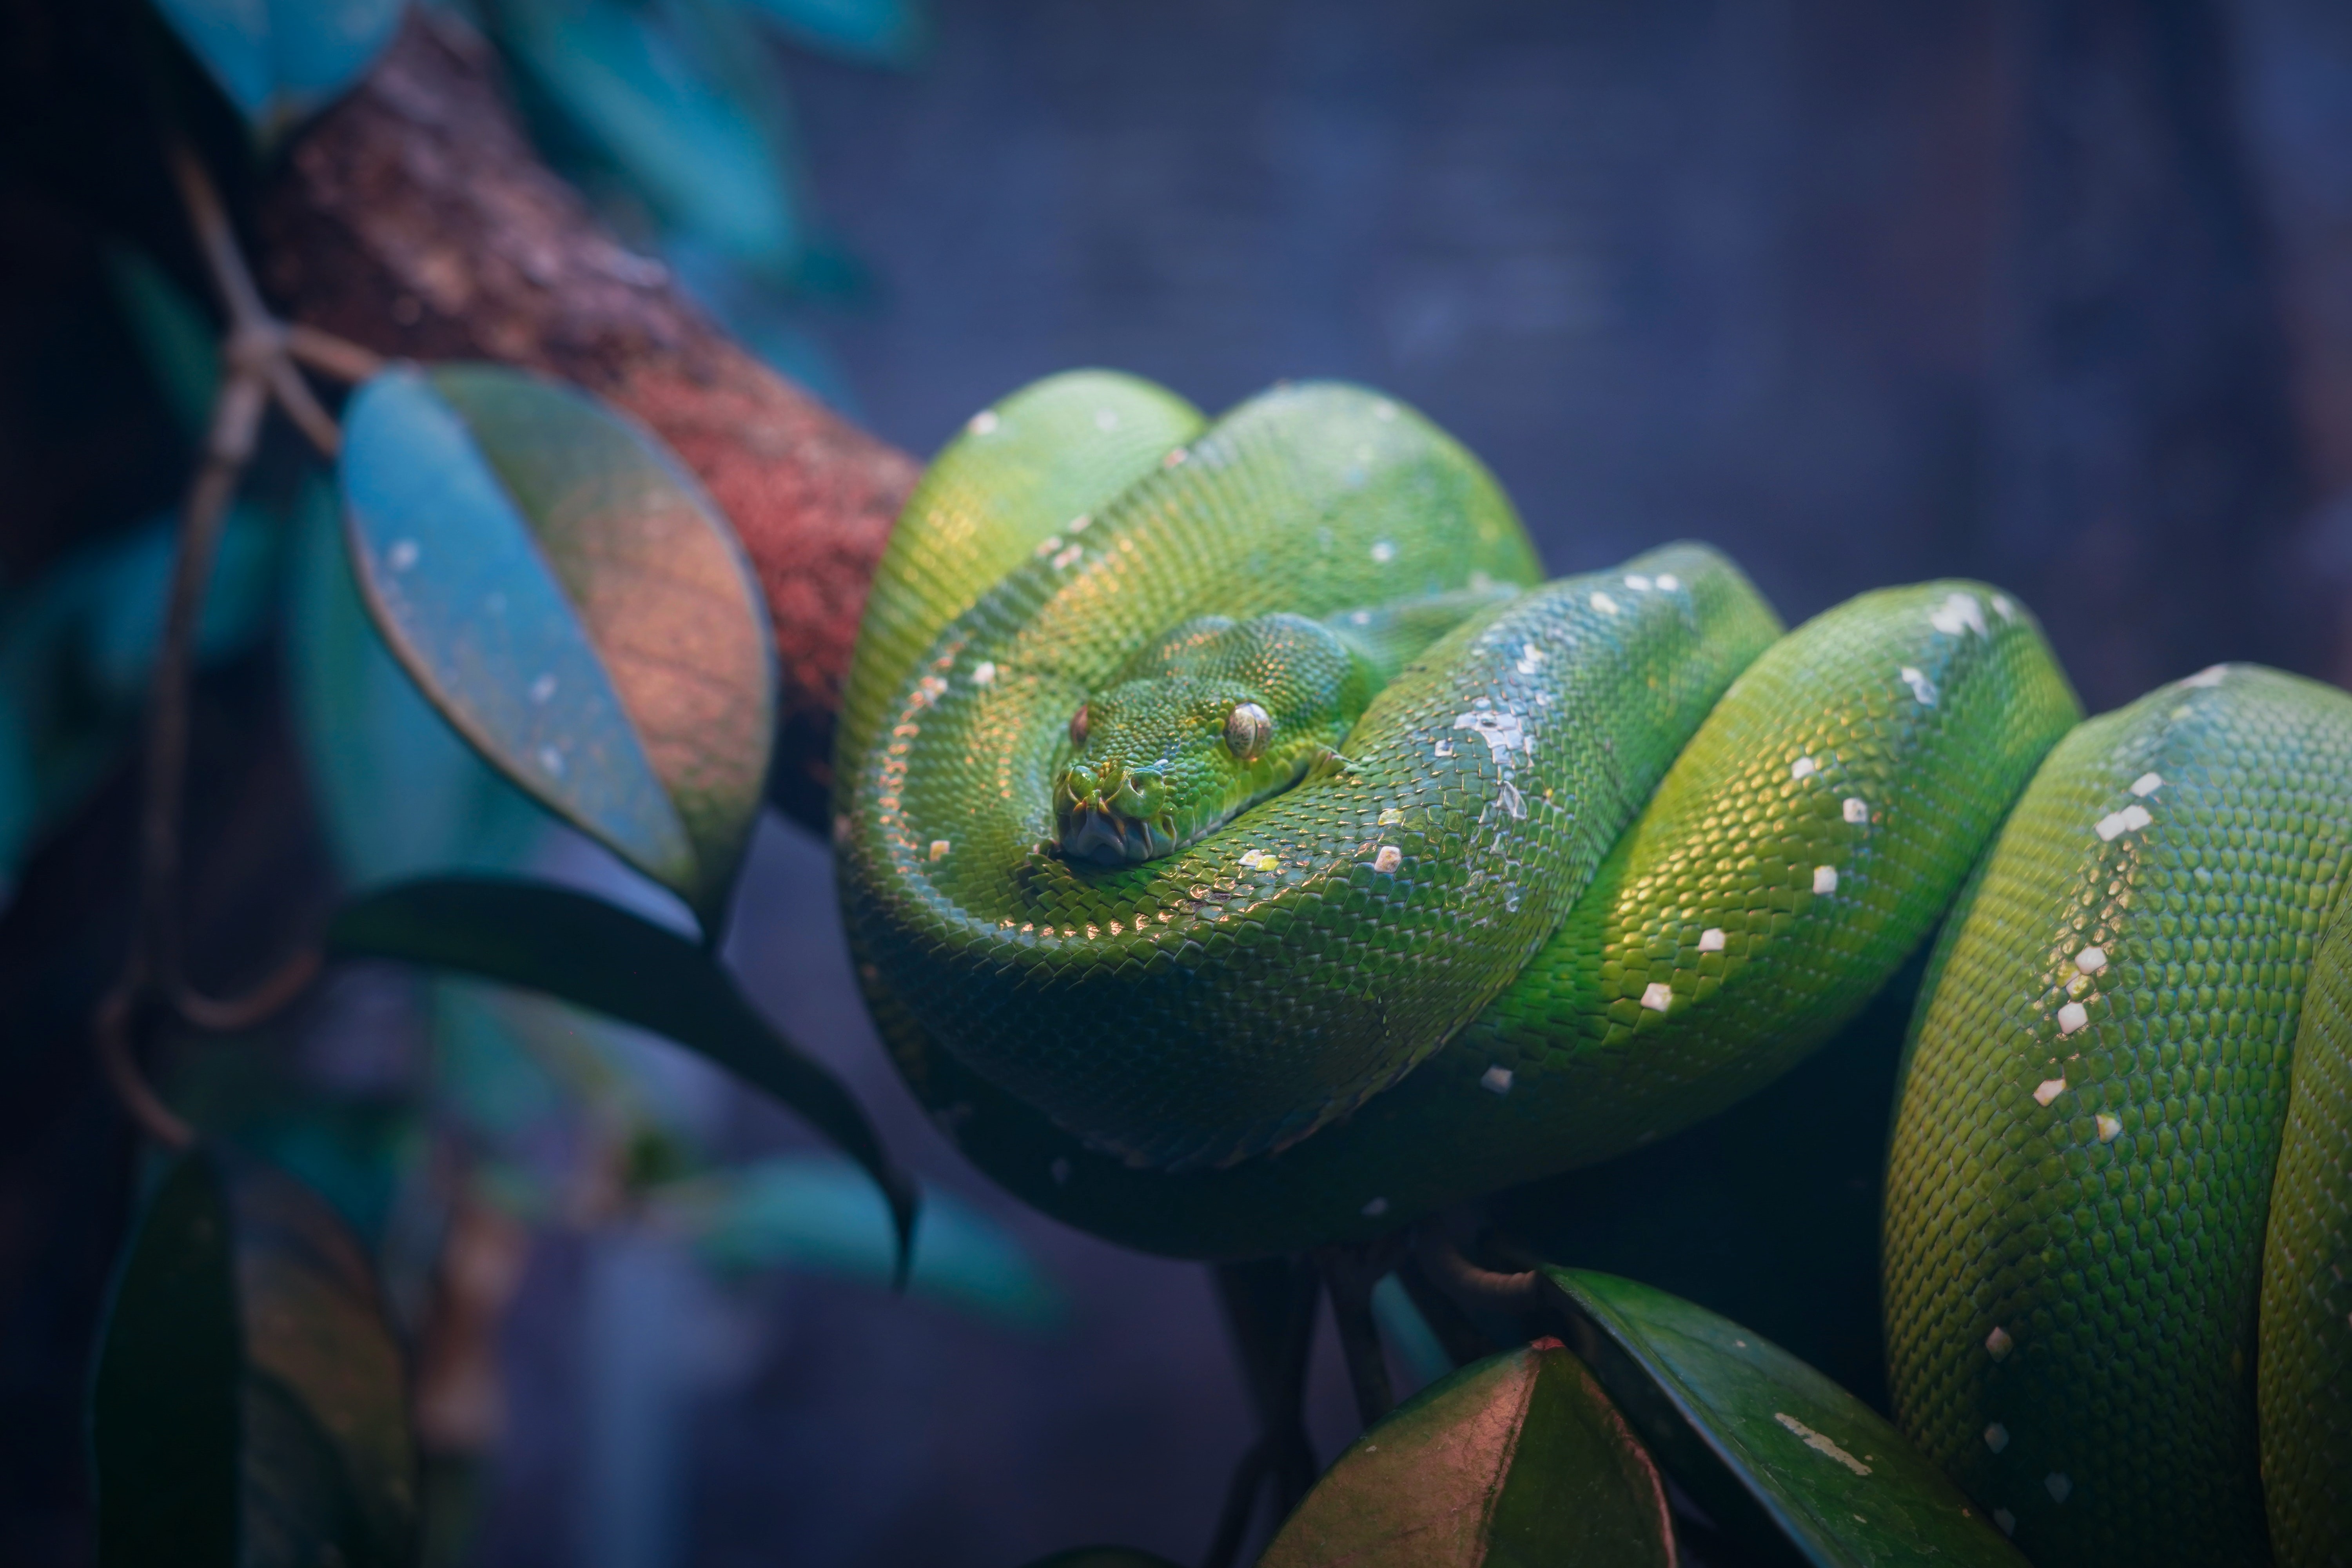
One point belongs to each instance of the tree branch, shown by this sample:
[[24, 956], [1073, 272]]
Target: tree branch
[[416, 219]]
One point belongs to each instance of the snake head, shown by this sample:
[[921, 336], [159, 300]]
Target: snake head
[[1214, 717]]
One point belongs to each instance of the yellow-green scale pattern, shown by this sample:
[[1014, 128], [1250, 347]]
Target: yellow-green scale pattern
[[1049, 455], [1805, 843], [2089, 1118], [2305, 1368], [1228, 999]]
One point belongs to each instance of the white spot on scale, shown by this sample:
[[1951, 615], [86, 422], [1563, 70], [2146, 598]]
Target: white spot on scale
[[1388, 858], [1855, 811], [1391, 816], [2058, 1485], [2003, 608], [542, 688], [2048, 1090], [1376, 1208], [1530, 658], [1514, 803], [1825, 878], [1105, 418], [1060, 1170], [1820, 1443], [2209, 676], [402, 555], [1068, 558], [1658, 996], [1958, 612], [939, 849], [1922, 690], [1998, 1344], [1604, 603], [984, 672], [982, 422], [1996, 1436], [2091, 960], [1803, 768], [1639, 584], [1384, 410], [2110, 1129], [1711, 940], [1503, 733], [1444, 748], [1669, 582], [2116, 824], [1361, 619], [2147, 785], [1383, 553], [552, 760], [1495, 1080], [2006, 1520]]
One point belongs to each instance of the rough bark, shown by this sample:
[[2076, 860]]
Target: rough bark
[[415, 218]]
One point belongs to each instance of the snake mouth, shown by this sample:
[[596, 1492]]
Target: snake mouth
[[1112, 815]]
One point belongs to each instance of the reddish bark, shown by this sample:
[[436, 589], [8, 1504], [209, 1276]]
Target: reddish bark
[[415, 218]]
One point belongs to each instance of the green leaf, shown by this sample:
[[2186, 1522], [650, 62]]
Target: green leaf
[[277, 60], [594, 955], [816, 1211], [248, 1405], [569, 599], [179, 342], [671, 96], [1773, 1450], [874, 31], [1516, 1459]]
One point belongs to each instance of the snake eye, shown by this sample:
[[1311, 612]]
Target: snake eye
[[1247, 729], [1078, 726]]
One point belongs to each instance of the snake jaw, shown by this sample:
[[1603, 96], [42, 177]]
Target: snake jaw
[[1112, 815]]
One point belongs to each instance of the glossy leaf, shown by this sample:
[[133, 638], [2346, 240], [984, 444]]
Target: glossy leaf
[[878, 32], [566, 595], [248, 1405], [593, 954], [815, 1212], [280, 59], [666, 94], [1516, 1459], [1773, 1450]]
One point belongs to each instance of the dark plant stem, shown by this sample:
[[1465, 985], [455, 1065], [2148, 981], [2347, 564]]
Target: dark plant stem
[[1270, 1309], [1349, 1272], [257, 369]]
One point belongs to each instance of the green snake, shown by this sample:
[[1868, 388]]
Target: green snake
[[1243, 848]]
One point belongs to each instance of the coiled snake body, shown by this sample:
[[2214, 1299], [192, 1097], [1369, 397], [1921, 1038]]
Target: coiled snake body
[[1242, 849]]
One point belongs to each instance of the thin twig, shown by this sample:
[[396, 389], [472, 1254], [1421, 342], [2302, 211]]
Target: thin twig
[[112, 1026], [223, 1014], [329, 355], [1478, 1290], [300, 404]]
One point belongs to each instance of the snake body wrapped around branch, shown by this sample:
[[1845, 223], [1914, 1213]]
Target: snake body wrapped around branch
[[1244, 849]]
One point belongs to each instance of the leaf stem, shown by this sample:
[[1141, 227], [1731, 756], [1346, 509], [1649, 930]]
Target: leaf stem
[[256, 370]]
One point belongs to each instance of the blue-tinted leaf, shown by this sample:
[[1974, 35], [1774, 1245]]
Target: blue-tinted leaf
[[1403, 1328], [877, 32], [594, 955], [280, 59], [398, 791], [671, 113], [180, 343], [1768, 1447], [248, 1405], [573, 604], [821, 1213]]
